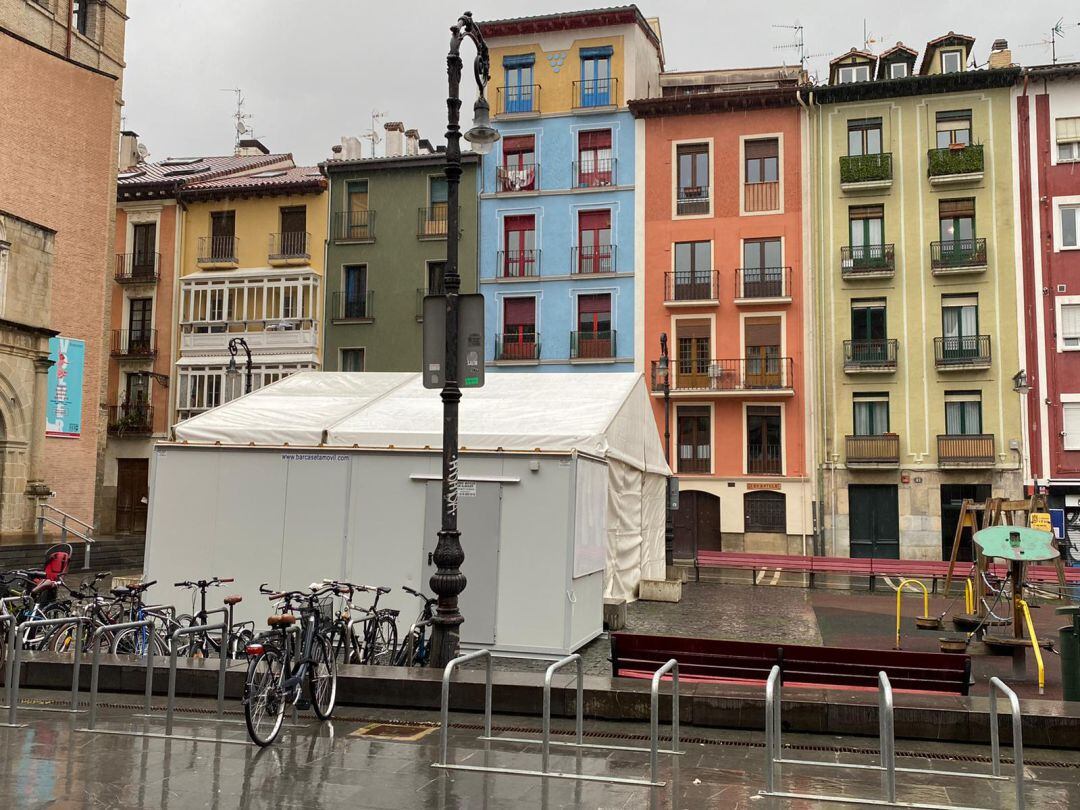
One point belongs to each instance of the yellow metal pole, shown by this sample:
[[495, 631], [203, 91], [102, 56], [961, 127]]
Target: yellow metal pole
[[1034, 643], [899, 593], [969, 597]]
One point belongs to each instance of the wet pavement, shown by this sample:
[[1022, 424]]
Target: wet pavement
[[49, 764]]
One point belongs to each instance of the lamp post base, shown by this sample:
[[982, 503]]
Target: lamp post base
[[445, 643]]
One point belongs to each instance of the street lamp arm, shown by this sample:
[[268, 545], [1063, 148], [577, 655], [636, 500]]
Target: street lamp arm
[[466, 28]]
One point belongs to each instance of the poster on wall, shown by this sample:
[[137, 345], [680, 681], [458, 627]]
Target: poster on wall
[[63, 416]]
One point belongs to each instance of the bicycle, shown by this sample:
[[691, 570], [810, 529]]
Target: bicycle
[[203, 645], [277, 669], [415, 648], [379, 638]]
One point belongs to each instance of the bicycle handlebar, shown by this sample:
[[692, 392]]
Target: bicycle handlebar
[[203, 584]]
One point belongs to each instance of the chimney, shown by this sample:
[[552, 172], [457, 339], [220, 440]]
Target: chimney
[[425, 147], [350, 148], [1000, 55], [412, 142], [250, 147], [395, 138], [129, 150]]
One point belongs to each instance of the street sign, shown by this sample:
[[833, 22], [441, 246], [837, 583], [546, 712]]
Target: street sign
[[470, 341], [1057, 519], [1040, 521]]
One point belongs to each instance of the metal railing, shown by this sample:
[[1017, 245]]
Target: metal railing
[[699, 459], [596, 93], [85, 532], [878, 449], [860, 260], [962, 350], [134, 343], [592, 345], [351, 306], [444, 729], [517, 99], [354, 226], [692, 200], [595, 173], [517, 346], [15, 672], [137, 268], [862, 354], [691, 285], [866, 168], [131, 419], [218, 250], [764, 459], [762, 282], [95, 665], [970, 449], [728, 375], [289, 245], [592, 259], [758, 197], [525, 177], [432, 221], [518, 263], [955, 254]]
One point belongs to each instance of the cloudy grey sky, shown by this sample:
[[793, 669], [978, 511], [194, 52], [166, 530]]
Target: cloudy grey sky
[[313, 70]]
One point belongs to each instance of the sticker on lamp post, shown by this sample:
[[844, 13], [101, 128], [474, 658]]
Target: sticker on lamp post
[[470, 341]]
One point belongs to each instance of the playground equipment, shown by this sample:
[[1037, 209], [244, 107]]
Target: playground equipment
[[924, 622]]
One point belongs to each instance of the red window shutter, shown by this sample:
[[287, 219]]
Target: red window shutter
[[594, 304], [519, 312], [595, 139], [517, 143], [594, 220]]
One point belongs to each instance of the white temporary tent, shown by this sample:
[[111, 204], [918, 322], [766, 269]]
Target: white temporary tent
[[562, 495]]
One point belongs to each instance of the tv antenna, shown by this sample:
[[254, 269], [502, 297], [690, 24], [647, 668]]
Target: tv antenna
[[372, 135], [799, 44], [240, 117], [868, 37]]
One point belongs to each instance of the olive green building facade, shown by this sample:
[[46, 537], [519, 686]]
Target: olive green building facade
[[915, 295], [387, 248]]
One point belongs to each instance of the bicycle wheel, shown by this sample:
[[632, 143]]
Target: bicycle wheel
[[264, 705], [381, 642], [62, 639], [322, 678], [136, 640]]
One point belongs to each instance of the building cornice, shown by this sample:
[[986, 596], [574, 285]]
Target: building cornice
[[328, 167], [721, 102], [912, 86]]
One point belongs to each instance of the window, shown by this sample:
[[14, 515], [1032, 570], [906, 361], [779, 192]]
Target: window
[[952, 61], [864, 136], [765, 511], [868, 328], [594, 338], [846, 74], [137, 389], [436, 273], [761, 336], [959, 326], [595, 253], [518, 340], [519, 247], [354, 298], [293, 231], [692, 354], [866, 228], [693, 271], [438, 191], [518, 72], [963, 413], [1068, 139], [1070, 225], [871, 414], [956, 228], [763, 161], [763, 455], [357, 220], [519, 164], [140, 318], [898, 70], [595, 166], [762, 270], [1068, 326], [692, 161], [1070, 425], [80, 15], [953, 127], [222, 233], [694, 438], [144, 249], [596, 88], [352, 359]]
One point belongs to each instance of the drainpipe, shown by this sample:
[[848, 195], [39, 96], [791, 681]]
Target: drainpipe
[[70, 21]]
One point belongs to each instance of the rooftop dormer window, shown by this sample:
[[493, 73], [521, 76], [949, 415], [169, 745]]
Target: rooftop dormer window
[[952, 61], [898, 70], [848, 74]]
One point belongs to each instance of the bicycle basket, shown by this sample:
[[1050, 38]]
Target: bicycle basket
[[326, 610]]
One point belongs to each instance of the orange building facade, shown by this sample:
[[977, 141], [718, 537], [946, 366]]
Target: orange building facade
[[722, 282]]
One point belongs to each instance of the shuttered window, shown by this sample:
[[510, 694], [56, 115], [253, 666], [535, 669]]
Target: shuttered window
[[1070, 425], [1068, 129], [1069, 326]]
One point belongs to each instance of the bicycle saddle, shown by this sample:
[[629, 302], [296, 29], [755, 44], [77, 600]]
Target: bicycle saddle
[[45, 584], [232, 600], [281, 620]]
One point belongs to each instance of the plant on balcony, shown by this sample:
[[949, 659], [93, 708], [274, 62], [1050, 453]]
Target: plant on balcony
[[133, 422], [865, 168], [968, 160]]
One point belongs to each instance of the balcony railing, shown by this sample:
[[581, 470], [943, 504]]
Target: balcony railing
[[518, 263], [283, 335], [692, 200], [595, 173], [517, 346], [763, 459], [353, 306], [695, 458], [958, 254], [758, 197], [291, 245], [218, 249], [131, 419], [137, 268], [867, 260], [525, 177], [134, 343], [517, 99], [431, 222], [592, 345], [955, 160], [879, 449], [592, 259], [596, 93], [762, 282], [354, 226], [686, 285], [966, 450], [866, 168], [869, 354], [962, 351], [729, 375]]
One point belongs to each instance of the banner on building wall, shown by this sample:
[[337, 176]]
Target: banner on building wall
[[63, 416]]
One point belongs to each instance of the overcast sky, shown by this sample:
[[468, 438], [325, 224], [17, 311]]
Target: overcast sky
[[313, 70]]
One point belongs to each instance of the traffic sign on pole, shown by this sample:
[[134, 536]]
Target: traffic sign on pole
[[470, 341]]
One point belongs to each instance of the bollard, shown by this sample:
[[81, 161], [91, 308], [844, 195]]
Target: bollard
[[187, 631], [16, 666], [888, 737], [654, 714], [444, 742], [95, 665], [1018, 736], [546, 741]]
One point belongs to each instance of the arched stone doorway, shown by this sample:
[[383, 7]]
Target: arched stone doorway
[[697, 524]]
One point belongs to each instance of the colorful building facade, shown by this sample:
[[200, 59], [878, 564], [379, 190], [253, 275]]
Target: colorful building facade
[[915, 286], [722, 281], [559, 235]]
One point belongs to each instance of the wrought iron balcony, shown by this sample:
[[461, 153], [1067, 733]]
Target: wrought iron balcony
[[966, 451], [762, 282], [962, 352], [291, 246], [354, 226], [695, 458], [353, 307], [958, 255], [432, 222], [728, 376], [218, 250], [138, 343], [131, 419], [877, 450], [592, 259], [517, 346], [518, 263], [685, 286], [137, 268], [867, 261], [873, 170], [592, 345], [692, 200], [763, 459], [870, 355], [954, 161], [510, 179], [595, 173], [517, 100], [596, 93]]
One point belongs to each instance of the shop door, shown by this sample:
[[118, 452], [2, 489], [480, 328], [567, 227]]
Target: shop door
[[697, 524], [952, 498], [874, 521], [132, 494]]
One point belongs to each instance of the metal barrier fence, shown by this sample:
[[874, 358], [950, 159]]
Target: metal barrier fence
[[545, 741], [16, 666], [886, 745], [95, 665]]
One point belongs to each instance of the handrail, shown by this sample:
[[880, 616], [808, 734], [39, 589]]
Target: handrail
[[82, 523], [42, 519], [899, 593], [95, 665], [888, 735], [580, 713], [997, 684], [969, 597], [1034, 643], [444, 742], [654, 715]]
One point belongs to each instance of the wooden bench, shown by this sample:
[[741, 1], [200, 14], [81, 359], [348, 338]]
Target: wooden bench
[[721, 660]]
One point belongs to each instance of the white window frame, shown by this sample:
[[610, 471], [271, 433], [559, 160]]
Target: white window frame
[[341, 356], [712, 437], [1059, 303], [959, 54], [852, 73], [675, 177], [1060, 205], [903, 74], [760, 136], [1068, 400]]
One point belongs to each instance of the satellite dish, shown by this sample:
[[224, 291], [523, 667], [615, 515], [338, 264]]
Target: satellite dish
[[144, 153]]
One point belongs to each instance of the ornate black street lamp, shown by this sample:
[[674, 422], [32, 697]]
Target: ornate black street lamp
[[232, 372], [448, 582], [663, 373]]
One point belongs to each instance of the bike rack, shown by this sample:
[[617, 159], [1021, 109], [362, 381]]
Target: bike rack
[[545, 741], [95, 666], [886, 744], [16, 668], [9, 659]]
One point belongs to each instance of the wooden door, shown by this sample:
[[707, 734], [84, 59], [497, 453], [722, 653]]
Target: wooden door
[[874, 521], [132, 494], [697, 524]]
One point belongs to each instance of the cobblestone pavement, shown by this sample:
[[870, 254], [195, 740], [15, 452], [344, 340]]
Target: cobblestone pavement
[[49, 764]]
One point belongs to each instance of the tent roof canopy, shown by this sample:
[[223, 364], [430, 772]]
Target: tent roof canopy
[[606, 415]]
